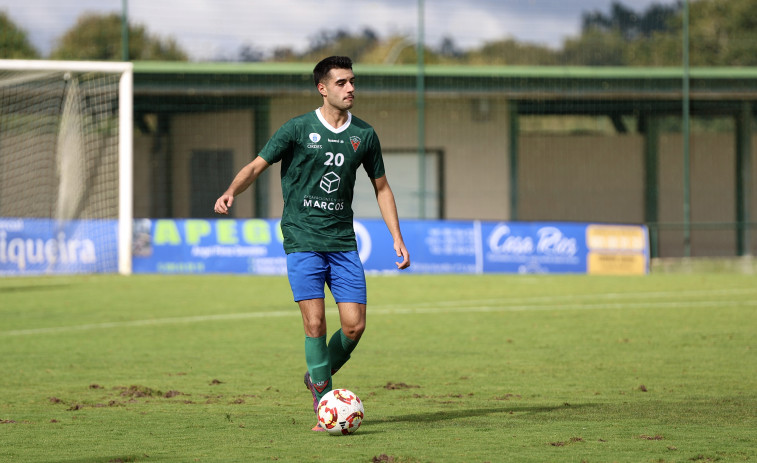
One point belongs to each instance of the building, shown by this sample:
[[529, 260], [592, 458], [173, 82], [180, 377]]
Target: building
[[498, 143]]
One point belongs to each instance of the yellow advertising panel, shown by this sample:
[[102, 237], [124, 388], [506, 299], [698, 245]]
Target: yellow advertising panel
[[617, 250], [616, 264], [616, 238]]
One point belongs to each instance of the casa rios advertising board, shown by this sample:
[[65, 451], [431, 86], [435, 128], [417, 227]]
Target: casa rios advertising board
[[253, 246]]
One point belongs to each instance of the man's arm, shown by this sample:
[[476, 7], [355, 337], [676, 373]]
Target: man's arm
[[388, 208], [241, 182]]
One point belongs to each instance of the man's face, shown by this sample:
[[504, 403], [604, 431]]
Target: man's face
[[339, 88]]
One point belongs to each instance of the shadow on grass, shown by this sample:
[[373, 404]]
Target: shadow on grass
[[113, 459], [457, 413], [33, 288]]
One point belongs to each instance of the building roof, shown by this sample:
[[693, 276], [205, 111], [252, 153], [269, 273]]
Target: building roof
[[543, 89]]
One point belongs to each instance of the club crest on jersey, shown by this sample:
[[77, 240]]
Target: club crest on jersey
[[314, 137], [355, 142]]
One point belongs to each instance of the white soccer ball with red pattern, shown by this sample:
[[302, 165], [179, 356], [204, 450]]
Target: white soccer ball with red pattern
[[340, 412]]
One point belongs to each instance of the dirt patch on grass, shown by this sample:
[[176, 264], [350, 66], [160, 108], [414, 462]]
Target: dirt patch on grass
[[572, 440], [121, 395], [394, 386], [138, 391], [508, 397]]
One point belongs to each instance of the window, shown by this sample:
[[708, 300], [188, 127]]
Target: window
[[210, 174]]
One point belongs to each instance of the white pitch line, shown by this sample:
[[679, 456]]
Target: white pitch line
[[151, 322], [480, 306], [561, 307], [580, 297]]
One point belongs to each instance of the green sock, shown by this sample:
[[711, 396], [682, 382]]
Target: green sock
[[317, 359], [340, 348]]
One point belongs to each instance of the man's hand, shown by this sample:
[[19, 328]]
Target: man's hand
[[402, 252], [223, 204]]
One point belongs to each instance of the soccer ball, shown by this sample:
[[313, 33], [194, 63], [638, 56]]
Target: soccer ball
[[340, 412]]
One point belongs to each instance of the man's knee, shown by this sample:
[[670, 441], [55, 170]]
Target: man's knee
[[354, 329], [314, 327], [313, 317]]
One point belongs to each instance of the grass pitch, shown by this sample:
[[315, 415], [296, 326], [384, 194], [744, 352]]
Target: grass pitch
[[493, 368]]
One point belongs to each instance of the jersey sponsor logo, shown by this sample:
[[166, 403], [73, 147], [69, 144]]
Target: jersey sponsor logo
[[314, 138], [331, 140], [330, 182], [355, 142], [322, 203]]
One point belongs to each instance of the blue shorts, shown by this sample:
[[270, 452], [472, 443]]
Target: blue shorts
[[342, 271]]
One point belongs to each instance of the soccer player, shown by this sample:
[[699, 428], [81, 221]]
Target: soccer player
[[320, 154]]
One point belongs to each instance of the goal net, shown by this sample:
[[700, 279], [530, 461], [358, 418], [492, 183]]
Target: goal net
[[65, 167]]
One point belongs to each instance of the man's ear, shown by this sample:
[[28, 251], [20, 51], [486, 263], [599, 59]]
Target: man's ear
[[321, 89]]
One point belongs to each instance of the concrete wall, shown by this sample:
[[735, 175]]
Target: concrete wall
[[600, 178], [581, 178]]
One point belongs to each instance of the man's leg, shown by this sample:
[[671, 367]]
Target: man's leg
[[344, 340], [316, 352], [347, 283]]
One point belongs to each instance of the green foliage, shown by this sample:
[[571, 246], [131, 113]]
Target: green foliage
[[452, 368], [98, 37], [630, 24], [510, 52], [595, 48], [724, 33], [627, 38], [14, 42]]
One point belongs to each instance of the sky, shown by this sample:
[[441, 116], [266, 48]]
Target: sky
[[213, 29]]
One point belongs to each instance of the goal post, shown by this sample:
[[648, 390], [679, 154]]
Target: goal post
[[66, 166]]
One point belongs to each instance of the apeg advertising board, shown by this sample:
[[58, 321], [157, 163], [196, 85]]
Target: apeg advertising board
[[253, 246]]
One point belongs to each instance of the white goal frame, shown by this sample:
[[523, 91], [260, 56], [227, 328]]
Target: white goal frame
[[125, 138]]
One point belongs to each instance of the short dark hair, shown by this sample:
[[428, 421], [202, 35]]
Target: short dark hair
[[323, 68]]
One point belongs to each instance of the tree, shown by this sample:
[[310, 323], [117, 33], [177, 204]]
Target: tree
[[448, 49], [98, 37], [629, 23], [723, 33], [250, 54], [626, 37], [512, 53], [595, 48], [341, 42], [14, 42]]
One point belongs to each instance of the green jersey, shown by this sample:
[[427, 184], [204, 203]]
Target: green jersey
[[319, 164]]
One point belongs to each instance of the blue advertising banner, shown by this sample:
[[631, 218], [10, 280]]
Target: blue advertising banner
[[254, 246], [41, 246], [534, 247], [208, 246]]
